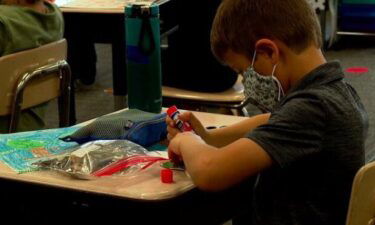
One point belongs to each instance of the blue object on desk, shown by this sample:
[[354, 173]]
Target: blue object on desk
[[140, 127], [143, 64]]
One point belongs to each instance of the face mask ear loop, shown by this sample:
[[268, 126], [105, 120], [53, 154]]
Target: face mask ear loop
[[254, 55], [281, 91]]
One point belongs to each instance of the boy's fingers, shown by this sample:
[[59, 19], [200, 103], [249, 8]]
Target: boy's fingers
[[196, 124], [185, 116], [169, 121], [172, 132], [190, 117], [193, 121], [173, 156]]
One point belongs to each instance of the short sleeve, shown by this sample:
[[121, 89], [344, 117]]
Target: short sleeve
[[294, 131]]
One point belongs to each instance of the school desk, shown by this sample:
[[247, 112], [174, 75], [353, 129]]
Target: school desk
[[147, 191], [86, 25]]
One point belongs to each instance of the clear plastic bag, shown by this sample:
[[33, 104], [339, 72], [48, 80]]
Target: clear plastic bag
[[99, 158]]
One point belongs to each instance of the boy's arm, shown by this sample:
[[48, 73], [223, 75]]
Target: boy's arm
[[226, 135], [222, 136], [215, 169]]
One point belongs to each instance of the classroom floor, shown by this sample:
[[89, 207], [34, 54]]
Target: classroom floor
[[350, 51]]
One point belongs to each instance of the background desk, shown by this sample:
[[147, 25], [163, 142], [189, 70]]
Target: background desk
[[86, 26], [46, 193]]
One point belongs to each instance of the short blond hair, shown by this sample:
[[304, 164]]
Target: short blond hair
[[238, 24]]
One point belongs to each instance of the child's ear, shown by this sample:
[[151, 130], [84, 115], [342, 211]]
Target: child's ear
[[268, 49]]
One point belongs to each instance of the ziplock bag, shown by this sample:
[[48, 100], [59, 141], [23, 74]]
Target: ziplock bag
[[140, 127], [83, 161]]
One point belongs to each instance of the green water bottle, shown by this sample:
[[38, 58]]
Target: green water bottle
[[143, 66]]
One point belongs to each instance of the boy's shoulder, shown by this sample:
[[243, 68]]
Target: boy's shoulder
[[323, 97], [325, 85], [322, 100]]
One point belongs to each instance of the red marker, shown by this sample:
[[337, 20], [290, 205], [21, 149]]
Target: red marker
[[182, 126]]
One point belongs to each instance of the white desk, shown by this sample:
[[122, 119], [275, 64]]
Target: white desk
[[97, 6], [146, 187], [87, 6]]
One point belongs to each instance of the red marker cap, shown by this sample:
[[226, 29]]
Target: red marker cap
[[166, 176]]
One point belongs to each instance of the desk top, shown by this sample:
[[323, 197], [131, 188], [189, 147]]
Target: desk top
[[97, 6], [92, 6], [147, 186]]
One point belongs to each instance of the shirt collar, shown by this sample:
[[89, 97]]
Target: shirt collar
[[321, 75]]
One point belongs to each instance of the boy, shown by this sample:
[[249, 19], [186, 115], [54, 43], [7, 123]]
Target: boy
[[306, 152], [26, 24]]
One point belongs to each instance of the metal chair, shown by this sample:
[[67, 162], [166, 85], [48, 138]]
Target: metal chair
[[362, 201], [232, 99], [31, 77]]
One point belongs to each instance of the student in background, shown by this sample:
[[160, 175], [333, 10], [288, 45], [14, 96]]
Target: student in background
[[26, 24], [306, 151]]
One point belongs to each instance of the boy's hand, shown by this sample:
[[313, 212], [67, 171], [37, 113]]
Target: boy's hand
[[186, 117], [174, 153], [174, 147], [171, 128]]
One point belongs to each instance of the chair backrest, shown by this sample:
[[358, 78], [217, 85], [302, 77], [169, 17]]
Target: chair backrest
[[14, 66], [362, 201]]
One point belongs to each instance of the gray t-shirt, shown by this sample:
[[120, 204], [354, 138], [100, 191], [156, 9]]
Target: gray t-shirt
[[316, 138]]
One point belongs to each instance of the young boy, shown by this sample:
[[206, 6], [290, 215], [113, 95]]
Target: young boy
[[306, 151], [26, 24]]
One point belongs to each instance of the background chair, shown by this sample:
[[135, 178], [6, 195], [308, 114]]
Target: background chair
[[32, 77], [232, 99], [362, 201]]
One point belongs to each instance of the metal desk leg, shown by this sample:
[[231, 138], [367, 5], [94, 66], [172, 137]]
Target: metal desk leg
[[332, 9], [328, 22]]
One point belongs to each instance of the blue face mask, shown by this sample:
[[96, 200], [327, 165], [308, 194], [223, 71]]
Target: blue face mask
[[264, 91]]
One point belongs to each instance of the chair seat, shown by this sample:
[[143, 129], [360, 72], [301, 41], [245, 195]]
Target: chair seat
[[361, 206], [234, 94]]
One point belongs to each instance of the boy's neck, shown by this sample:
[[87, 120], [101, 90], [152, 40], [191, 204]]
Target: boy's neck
[[302, 64]]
